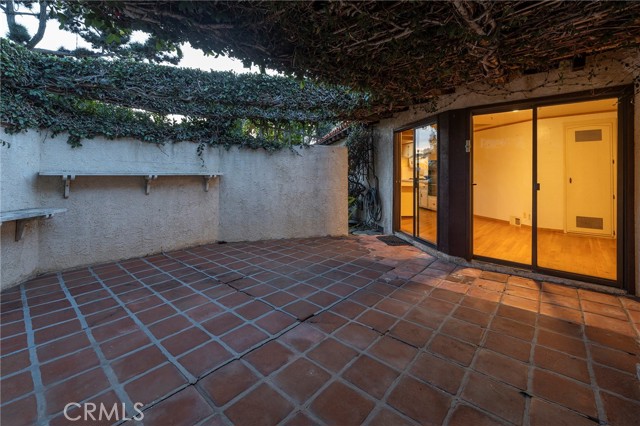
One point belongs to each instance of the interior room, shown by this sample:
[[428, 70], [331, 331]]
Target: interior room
[[575, 187], [418, 170]]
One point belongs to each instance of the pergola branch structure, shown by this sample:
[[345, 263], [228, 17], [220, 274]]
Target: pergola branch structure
[[400, 51], [478, 16]]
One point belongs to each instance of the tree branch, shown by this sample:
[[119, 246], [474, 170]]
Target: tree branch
[[10, 11], [42, 25]]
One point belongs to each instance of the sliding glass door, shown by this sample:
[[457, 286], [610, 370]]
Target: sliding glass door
[[576, 226], [502, 208], [544, 187], [417, 181]]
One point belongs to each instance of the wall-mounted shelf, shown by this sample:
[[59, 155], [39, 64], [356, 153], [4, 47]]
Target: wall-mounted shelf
[[24, 215], [67, 177]]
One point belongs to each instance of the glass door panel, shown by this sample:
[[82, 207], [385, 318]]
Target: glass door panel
[[502, 178], [577, 146], [426, 170], [406, 170]]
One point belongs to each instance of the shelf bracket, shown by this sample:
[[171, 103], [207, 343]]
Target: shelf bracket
[[19, 229], [148, 180], [20, 225], [206, 182], [67, 184]]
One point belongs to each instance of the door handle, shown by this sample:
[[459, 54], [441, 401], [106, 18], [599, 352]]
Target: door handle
[[570, 180]]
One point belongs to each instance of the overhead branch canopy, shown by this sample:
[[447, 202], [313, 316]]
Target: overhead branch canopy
[[170, 90], [355, 60], [89, 96], [401, 51]]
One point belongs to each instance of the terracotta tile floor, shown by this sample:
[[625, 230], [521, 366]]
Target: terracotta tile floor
[[315, 331]]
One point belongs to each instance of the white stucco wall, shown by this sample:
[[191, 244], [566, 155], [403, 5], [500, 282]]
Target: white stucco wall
[[601, 71], [280, 195], [260, 195]]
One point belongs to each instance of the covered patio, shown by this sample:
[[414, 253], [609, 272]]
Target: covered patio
[[334, 330]]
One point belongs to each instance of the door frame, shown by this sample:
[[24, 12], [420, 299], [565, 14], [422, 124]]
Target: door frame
[[625, 220]]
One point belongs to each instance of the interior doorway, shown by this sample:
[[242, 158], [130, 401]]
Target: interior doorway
[[544, 187], [589, 178]]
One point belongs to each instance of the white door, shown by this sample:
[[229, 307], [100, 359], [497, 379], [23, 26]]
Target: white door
[[589, 179]]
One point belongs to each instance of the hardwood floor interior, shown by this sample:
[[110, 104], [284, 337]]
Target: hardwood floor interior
[[428, 225], [496, 239], [581, 254], [499, 240]]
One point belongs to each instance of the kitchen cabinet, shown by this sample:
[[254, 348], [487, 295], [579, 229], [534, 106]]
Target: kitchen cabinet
[[423, 195], [432, 202]]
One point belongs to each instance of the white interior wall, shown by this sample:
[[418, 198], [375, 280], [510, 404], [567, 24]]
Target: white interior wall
[[502, 159], [292, 194]]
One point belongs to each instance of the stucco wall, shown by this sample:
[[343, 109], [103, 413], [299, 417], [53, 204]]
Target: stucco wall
[[290, 194], [260, 195], [601, 71]]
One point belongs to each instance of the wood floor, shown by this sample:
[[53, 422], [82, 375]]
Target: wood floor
[[581, 254], [428, 225]]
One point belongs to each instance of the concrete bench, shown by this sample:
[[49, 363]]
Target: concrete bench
[[24, 215], [67, 177]]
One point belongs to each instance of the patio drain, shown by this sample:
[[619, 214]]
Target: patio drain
[[392, 240]]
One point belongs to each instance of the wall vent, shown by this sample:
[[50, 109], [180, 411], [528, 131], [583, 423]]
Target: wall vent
[[589, 222], [589, 135], [515, 221]]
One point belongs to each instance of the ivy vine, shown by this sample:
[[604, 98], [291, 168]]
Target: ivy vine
[[115, 99]]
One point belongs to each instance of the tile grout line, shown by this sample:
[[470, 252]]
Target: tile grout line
[[267, 379], [155, 342], [276, 308], [423, 350], [198, 325], [526, 421], [215, 338], [228, 284], [104, 363], [302, 355], [633, 324], [457, 398], [602, 413], [38, 387], [382, 401], [263, 298], [83, 329], [334, 376]]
